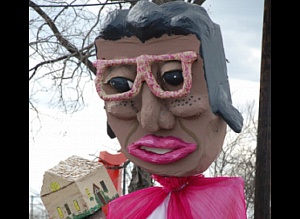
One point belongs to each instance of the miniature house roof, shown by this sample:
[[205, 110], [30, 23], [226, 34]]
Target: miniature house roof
[[68, 171], [74, 167]]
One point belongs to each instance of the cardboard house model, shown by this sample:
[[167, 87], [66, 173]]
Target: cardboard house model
[[75, 188]]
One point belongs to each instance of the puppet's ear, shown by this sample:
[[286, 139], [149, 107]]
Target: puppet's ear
[[109, 131]]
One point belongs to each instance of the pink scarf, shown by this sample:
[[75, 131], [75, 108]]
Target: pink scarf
[[193, 197]]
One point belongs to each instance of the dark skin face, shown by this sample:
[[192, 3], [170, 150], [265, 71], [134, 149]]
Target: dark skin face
[[186, 122]]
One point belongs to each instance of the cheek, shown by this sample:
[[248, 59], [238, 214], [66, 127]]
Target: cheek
[[215, 137], [121, 109], [189, 106], [208, 132], [213, 142]]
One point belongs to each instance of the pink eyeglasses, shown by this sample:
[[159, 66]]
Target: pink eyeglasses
[[143, 63]]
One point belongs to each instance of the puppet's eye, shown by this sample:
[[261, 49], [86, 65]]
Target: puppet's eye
[[173, 77], [121, 84]]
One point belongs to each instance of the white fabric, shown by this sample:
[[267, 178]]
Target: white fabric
[[161, 211]]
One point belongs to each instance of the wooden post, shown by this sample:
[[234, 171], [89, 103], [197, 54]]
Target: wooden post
[[262, 201]]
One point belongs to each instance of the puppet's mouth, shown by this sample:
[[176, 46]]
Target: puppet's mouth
[[156, 150], [160, 150]]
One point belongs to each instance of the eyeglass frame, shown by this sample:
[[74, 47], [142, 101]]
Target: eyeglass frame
[[144, 73]]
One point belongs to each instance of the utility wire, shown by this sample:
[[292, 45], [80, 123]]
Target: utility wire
[[85, 5]]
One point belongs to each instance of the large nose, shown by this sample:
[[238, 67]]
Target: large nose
[[154, 114]]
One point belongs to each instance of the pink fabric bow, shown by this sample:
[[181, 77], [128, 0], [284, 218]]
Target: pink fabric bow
[[193, 197]]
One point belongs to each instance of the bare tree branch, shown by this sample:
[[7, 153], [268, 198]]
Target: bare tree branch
[[63, 41]]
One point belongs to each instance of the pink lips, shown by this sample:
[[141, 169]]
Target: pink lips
[[178, 149]]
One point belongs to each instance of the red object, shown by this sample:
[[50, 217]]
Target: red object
[[105, 209], [113, 163]]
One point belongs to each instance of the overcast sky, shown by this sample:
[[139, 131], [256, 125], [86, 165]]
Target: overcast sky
[[84, 133]]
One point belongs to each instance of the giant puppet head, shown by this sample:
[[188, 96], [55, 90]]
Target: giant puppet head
[[161, 70]]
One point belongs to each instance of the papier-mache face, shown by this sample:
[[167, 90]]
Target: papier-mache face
[[157, 102]]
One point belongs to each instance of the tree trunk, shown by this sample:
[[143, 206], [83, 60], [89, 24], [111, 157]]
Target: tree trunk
[[140, 179]]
